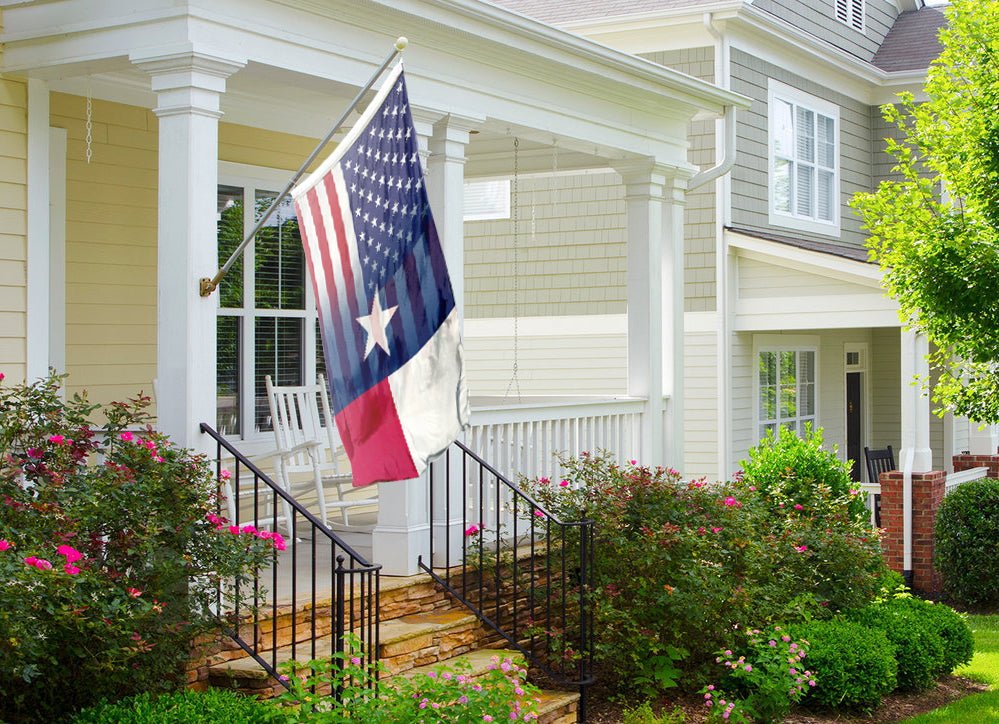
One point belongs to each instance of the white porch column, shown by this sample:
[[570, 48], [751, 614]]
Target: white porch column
[[38, 354], [446, 187], [915, 454], [654, 195], [982, 440], [188, 86]]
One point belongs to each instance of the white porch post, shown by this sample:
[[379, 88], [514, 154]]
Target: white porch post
[[916, 455], [188, 86], [654, 195], [982, 440], [38, 354], [446, 188]]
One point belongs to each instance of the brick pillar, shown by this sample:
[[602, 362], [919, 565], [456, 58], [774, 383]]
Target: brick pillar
[[966, 462], [927, 493]]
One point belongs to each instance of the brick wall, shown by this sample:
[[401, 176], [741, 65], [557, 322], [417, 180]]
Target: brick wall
[[966, 462], [927, 493]]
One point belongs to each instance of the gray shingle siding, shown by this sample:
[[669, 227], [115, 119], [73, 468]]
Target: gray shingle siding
[[750, 188], [700, 211], [818, 18]]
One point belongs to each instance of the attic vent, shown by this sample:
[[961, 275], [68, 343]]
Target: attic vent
[[851, 12]]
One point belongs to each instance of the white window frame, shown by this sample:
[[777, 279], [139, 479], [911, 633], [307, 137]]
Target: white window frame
[[500, 210], [784, 343], [852, 13], [252, 179], [792, 220]]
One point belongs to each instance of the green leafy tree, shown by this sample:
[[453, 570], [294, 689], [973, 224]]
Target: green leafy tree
[[935, 228]]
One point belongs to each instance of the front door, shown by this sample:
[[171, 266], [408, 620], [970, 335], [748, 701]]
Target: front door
[[853, 424]]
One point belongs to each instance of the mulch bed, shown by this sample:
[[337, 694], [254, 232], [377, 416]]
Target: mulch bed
[[895, 707]]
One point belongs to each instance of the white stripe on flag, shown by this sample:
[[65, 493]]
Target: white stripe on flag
[[425, 391]]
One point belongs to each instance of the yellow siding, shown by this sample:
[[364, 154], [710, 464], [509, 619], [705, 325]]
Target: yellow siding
[[14, 223], [700, 415], [110, 248], [256, 147]]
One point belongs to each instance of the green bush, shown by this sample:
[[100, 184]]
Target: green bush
[[110, 553], [953, 630], [919, 647], [967, 543], [680, 566], [854, 665], [214, 706]]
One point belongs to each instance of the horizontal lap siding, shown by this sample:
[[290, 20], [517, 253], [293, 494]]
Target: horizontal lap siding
[[759, 280], [593, 364], [700, 415], [886, 389], [818, 18], [111, 212], [750, 190], [743, 371], [13, 224]]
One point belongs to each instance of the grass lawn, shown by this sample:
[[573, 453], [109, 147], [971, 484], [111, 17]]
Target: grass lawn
[[984, 668]]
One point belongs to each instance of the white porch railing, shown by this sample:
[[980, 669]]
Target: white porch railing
[[956, 479], [522, 438]]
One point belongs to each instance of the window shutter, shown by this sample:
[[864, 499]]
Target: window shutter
[[857, 15], [843, 11]]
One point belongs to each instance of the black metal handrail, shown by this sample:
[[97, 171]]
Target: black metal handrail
[[352, 605], [519, 568]]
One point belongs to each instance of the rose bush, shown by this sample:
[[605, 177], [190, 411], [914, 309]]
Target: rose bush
[[112, 553]]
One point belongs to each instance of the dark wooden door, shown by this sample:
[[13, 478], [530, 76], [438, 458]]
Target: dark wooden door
[[854, 449]]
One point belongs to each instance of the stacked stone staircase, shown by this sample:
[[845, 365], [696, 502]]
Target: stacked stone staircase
[[421, 628]]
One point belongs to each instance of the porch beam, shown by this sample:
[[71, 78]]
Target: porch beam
[[188, 87]]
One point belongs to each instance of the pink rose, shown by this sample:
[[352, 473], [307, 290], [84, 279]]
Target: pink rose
[[71, 554], [4, 545], [472, 529], [133, 592], [126, 436], [56, 439], [71, 569], [563, 484]]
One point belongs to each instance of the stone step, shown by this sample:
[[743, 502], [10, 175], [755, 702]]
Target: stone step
[[558, 707], [404, 643], [480, 661]]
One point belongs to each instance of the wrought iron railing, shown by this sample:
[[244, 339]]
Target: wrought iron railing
[[315, 591], [520, 569]]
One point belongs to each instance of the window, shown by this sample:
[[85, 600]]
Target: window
[[266, 318], [804, 161], [786, 389], [851, 12], [486, 200]]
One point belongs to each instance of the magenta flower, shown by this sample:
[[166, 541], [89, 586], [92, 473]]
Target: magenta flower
[[730, 501], [799, 506], [632, 462], [234, 529], [4, 545], [71, 569], [279, 543], [225, 474], [30, 560], [133, 592], [34, 452], [486, 717], [472, 529], [715, 529], [56, 439], [801, 549], [539, 513], [126, 436], [355, 660], [70, 553], [563, 484]]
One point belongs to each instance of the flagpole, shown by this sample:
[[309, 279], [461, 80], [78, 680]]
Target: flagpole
[[206, 285]]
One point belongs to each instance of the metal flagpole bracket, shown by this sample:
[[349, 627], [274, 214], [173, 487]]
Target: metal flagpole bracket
[[208, 285]]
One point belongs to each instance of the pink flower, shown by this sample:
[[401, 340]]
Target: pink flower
[[544, 480], [133, 592], [715, 529], [801, 549], [4, 545], [234, 529], [486, 717], [157, 458], [632, 462], [799, 506], [265, 534], [34, 452], [56, 439], [279, 543], [472, 529], [2, 375], [43, 565], [539, 513], [71, 569], [730, 501], [752, 488], [225, 474], [126, 436], [70, 553], [563, 484], [30, 560], [248, 529], [355, 660], [749, 667]]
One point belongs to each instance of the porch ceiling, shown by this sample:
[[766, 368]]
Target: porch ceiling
[[304, 60]]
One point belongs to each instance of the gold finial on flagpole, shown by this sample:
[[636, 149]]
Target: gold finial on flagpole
[[401, 42]]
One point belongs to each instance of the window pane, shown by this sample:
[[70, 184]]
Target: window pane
[[230, 233], [227, 376], [783, 173], [280, 260], [788, 401], [806, 366], [806, 400], [805, 190], [768, 368], [768, 403], [805, 132], [826, 195], [278, 347], [827, 142], [783, 124]]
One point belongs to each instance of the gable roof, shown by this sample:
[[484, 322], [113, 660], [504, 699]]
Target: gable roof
[[912, 42], [846, 251], [560, 11]]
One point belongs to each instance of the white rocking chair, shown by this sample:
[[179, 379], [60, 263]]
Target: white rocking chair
[[308, 445]]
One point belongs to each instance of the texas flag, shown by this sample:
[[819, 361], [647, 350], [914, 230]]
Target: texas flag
[[390, 328]]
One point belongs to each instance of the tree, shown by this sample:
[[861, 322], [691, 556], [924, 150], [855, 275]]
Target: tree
[[935, 228]]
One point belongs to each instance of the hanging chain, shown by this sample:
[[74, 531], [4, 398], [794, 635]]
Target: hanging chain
[[514, 380], [90, 123]]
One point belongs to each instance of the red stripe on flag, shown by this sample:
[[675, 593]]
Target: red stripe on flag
[[341, 241], [373, 438]]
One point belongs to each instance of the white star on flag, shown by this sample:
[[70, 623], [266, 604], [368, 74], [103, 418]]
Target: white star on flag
[[374, 324]]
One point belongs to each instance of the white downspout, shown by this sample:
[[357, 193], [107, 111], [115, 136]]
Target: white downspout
[[728, 148]]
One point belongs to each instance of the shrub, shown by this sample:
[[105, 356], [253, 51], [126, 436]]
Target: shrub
[[110, 553], [919, 648], [214, 706], [953, 630], [764, 682], [855, 665], [701, 559], [967, 543]]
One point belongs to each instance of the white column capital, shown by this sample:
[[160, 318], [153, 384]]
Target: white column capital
[[648, 178], [186, 81]]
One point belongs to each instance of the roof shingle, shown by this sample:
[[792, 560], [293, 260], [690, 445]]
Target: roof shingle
[[912, 42]]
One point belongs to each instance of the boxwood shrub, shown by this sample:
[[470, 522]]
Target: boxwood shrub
[[214, 706], [951, 627], [854, 665], [967, 543], [919, 647]]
